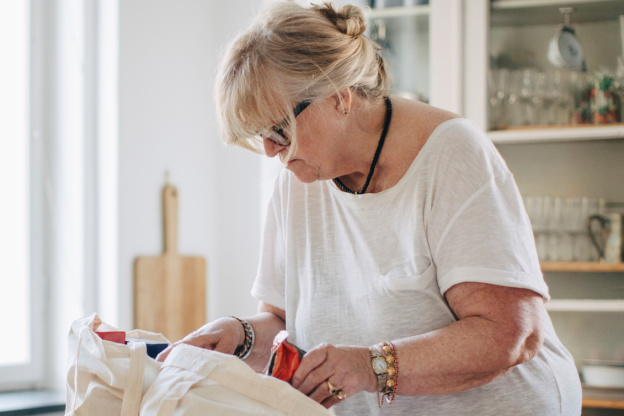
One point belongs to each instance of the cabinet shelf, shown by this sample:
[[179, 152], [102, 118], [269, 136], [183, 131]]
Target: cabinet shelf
[[581, 267], [585, 305], [535, 12], [557, 134], [603, 398]]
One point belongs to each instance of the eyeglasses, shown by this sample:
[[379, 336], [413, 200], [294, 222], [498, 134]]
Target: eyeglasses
[[276, 135]]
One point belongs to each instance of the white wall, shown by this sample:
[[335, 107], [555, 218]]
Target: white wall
[[168, 56]]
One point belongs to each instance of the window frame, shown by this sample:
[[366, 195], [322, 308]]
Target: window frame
[[31, 374]]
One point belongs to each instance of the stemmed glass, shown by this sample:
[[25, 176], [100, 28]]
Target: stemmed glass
[[526, 96], [552, 96], [499, 86], [565, 104]]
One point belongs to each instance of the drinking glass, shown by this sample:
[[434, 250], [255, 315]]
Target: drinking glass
[[582, 241], [565, 103], [502, 82], [514, 107], [529, 99], [551, 96], [534, 206], [539, 100], [571, 224], [553, 211]]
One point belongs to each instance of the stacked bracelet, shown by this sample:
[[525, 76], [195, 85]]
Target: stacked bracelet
[[243, 351], [391, 386], [386, 367]]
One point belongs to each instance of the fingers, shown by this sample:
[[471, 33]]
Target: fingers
[[318, 376], [330, 401], [328, 394], [334, 399], [329, 374], [220, 336], [194, 341], [314, 369]]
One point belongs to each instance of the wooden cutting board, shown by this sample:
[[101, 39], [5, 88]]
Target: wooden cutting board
[[170, 289]]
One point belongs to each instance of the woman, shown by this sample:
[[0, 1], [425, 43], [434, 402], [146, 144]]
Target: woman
[[397, 251]]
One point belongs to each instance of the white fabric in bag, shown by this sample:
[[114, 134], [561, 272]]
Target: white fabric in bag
[[106, 378], [195, 381]]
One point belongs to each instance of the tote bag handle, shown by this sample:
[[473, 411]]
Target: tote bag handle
[[134, 383]]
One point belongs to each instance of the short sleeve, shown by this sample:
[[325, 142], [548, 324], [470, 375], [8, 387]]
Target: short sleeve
[[478, 228], [269, 286]]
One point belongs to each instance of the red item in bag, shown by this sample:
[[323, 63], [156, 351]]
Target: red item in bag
[[285, 358], [113, 336]]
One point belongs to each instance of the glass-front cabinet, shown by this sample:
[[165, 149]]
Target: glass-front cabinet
[[545, 80], [422, 43], [403, 33], [554, 70]]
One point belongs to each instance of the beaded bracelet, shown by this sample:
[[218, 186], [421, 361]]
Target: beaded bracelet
[[390, 348], [387, 373], [243, 351]]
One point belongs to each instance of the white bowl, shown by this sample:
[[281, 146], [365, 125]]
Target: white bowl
[[603, 374]]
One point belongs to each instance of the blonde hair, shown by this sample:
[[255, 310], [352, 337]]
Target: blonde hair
[[290, 54]]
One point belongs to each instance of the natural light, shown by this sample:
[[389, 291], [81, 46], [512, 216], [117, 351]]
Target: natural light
[[14, 171]]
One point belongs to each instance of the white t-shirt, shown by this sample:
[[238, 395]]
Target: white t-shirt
[[362, 269]]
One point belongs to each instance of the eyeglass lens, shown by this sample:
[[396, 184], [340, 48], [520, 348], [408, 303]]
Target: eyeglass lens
[[277, 135]]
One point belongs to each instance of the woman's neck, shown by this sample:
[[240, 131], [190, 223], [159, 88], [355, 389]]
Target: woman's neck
[[362, 138]]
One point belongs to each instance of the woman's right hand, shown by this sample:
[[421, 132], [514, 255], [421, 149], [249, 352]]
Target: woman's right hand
[[222, 335]]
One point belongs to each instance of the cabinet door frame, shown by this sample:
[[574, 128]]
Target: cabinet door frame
[[446, 60], [476, 61]]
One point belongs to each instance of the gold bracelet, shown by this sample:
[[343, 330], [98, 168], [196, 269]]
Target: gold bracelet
[[385, 367], [392, 382]]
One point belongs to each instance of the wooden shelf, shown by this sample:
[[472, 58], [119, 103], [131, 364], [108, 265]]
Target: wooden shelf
[[581, 267], [557, 133], [603, 398]]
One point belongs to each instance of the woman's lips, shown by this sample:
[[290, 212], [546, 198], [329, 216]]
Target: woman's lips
[[290, 162]]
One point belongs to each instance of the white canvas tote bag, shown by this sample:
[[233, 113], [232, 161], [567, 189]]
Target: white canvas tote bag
[[106, 378], [194, 381]]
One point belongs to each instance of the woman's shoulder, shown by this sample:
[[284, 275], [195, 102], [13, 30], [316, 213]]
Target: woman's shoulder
[[448, 140], [417, 121]]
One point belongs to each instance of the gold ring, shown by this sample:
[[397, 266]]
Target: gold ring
[[340, 395]]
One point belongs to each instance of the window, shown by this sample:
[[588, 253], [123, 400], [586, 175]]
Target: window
[[20, 361]]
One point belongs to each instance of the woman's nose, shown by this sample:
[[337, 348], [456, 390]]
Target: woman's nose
[[271, 148]]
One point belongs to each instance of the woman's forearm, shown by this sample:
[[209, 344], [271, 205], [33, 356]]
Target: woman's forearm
[[446, 361], [469, 353], [265, 325]]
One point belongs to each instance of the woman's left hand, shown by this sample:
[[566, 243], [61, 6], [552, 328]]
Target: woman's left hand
[[341, 367]]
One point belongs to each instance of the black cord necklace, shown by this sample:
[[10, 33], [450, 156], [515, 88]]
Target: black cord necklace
[[382, 139]]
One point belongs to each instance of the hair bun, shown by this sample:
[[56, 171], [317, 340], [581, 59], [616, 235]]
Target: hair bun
[[348, 19]]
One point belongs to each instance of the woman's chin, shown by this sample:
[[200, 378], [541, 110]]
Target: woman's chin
[[303, 175], [304, 178]]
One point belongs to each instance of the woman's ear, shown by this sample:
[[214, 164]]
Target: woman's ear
[[343, 101]]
